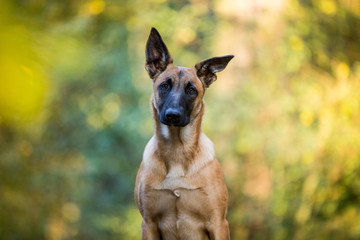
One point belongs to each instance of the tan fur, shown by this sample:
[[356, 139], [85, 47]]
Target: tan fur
[[180, 188]]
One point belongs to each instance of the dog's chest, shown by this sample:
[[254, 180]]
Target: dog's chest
[[180, 194], [179, 203], [177, 210], [176, 179]]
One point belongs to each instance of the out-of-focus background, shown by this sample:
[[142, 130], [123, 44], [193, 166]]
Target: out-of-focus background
[[75, 115]]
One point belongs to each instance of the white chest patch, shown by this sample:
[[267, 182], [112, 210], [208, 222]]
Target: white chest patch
[[176, 171], [164, 131], [175, 183], [175, 179]]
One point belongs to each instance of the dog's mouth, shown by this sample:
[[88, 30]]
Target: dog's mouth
[[175, 123], [174, 120]]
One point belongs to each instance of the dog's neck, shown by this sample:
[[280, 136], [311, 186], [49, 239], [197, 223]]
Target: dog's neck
[[179, 145]]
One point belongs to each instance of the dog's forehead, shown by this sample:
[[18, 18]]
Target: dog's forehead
[[180, 75], [184, 72]]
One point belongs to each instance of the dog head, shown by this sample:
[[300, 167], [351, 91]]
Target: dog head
[[178, 91]]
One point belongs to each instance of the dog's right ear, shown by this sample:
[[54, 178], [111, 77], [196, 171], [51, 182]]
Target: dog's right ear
[[157, 54]]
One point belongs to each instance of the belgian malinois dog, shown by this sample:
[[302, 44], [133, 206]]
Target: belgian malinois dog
[[180, 188]]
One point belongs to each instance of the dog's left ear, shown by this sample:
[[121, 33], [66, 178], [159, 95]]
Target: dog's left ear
[[157, 54], [206, 69]]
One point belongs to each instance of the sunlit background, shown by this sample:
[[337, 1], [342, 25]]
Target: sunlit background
[[75, 116]]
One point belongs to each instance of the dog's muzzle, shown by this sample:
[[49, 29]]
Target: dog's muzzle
[[174, 117]]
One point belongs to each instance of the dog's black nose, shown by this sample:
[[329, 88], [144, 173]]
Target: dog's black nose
[[172, 116]]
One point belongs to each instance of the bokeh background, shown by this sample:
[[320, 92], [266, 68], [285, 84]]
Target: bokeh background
[[75, 115]]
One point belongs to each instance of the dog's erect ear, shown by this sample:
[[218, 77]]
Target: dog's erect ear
[[157, 54], [207, 68]]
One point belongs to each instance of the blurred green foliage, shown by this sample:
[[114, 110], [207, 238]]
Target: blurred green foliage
[[284, 116]]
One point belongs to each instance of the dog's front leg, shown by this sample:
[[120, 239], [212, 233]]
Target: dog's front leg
[[149, 230], [219, 230]]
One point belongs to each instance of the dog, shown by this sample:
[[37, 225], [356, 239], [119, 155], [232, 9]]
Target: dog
[[180, 188]]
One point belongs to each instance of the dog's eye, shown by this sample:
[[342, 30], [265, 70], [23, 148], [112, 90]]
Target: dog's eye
[[165, 86], [191, 90]]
